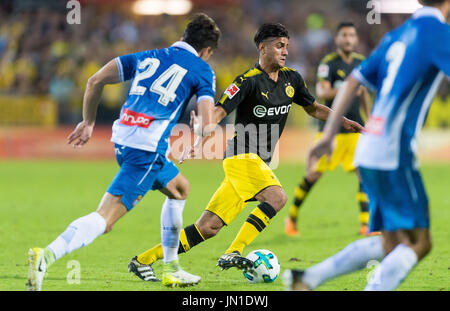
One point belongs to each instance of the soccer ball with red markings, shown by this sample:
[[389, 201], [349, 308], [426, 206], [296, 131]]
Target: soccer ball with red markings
[[266, 267]]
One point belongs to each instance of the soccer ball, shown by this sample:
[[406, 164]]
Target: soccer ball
[[266, 267]]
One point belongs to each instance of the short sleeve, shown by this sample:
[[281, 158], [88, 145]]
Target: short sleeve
[[126, 65], [207, 84], [302, 96], [368, 71], [235, 94]]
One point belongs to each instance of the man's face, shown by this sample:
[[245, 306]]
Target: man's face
[[275, 50], [346, 39]]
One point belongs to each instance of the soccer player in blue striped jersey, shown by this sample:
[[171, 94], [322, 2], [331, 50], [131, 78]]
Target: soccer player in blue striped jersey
[[163, 81], [405, 70]]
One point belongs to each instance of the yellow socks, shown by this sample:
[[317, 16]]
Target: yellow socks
[[189, 237], [257, 220], [300, 193], [363, 201]]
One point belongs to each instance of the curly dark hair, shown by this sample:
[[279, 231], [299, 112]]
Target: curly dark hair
[[201, 32], [270, 30]]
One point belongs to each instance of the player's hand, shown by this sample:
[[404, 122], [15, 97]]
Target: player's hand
[[323, 147], [352, 126], [81, 134], [189, 152]]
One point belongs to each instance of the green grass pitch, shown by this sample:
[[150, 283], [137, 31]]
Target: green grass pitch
[[38, 199]]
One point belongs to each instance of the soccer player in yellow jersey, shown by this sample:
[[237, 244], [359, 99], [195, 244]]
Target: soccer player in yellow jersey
[[332, 72], [262, 97]]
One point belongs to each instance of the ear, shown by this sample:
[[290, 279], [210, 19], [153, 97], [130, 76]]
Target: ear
[[204, 52], [261, 47]]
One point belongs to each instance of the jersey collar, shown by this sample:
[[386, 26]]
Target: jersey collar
[[429, 11], [185, 46]]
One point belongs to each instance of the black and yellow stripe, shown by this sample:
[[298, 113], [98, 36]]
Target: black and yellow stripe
[[256, 222], [300, 193], [189, 237], [363, 201]]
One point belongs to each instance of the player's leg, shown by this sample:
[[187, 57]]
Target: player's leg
[[79, 233], [252, 179], [176, 188], [221, 206], [300, 193], [407, 216], [406, 248], [272, 199], [135, 177], [363, 202], [224, 205], [324, 164], [349, 142], [353, 257]]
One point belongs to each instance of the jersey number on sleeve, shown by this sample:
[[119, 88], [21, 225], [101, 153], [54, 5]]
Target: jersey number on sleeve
[[174, 74]]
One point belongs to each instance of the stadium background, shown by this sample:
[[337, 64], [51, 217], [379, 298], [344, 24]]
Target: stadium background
[[45, 63], [45, 184]]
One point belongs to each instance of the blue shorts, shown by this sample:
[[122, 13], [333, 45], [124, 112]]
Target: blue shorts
[[397, 199], [140, 171]]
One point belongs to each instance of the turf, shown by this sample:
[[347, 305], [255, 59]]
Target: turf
[[39, 199]]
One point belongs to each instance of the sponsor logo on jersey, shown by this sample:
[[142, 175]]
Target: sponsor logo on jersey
[[232, 90], [261, 111], [341, 73], [375, 125], [290, 91], [132, 118]]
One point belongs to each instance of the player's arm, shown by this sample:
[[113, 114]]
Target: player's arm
[[322, 112], [341, 104], [210, 115], [108, 74], [303, 98], [364, 95]]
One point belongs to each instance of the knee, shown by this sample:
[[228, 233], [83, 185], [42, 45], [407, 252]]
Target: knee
[[279, 200], [208, 230], [182, 191]]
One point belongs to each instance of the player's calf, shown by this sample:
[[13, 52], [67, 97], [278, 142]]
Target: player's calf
[[274, 196], [208, 225]]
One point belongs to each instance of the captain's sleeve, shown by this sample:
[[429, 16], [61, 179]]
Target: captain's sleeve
[[206, 88], [235, 94], [126, 64], [302, 96]]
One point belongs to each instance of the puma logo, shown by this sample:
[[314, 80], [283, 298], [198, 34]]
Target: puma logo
[[266, 94]]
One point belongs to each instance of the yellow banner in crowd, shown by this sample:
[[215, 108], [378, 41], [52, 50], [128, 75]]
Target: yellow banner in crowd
[[28, 110]]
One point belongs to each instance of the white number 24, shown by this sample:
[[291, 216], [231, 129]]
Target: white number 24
[[174, 74]]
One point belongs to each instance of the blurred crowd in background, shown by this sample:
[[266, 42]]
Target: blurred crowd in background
[[40, 53]]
